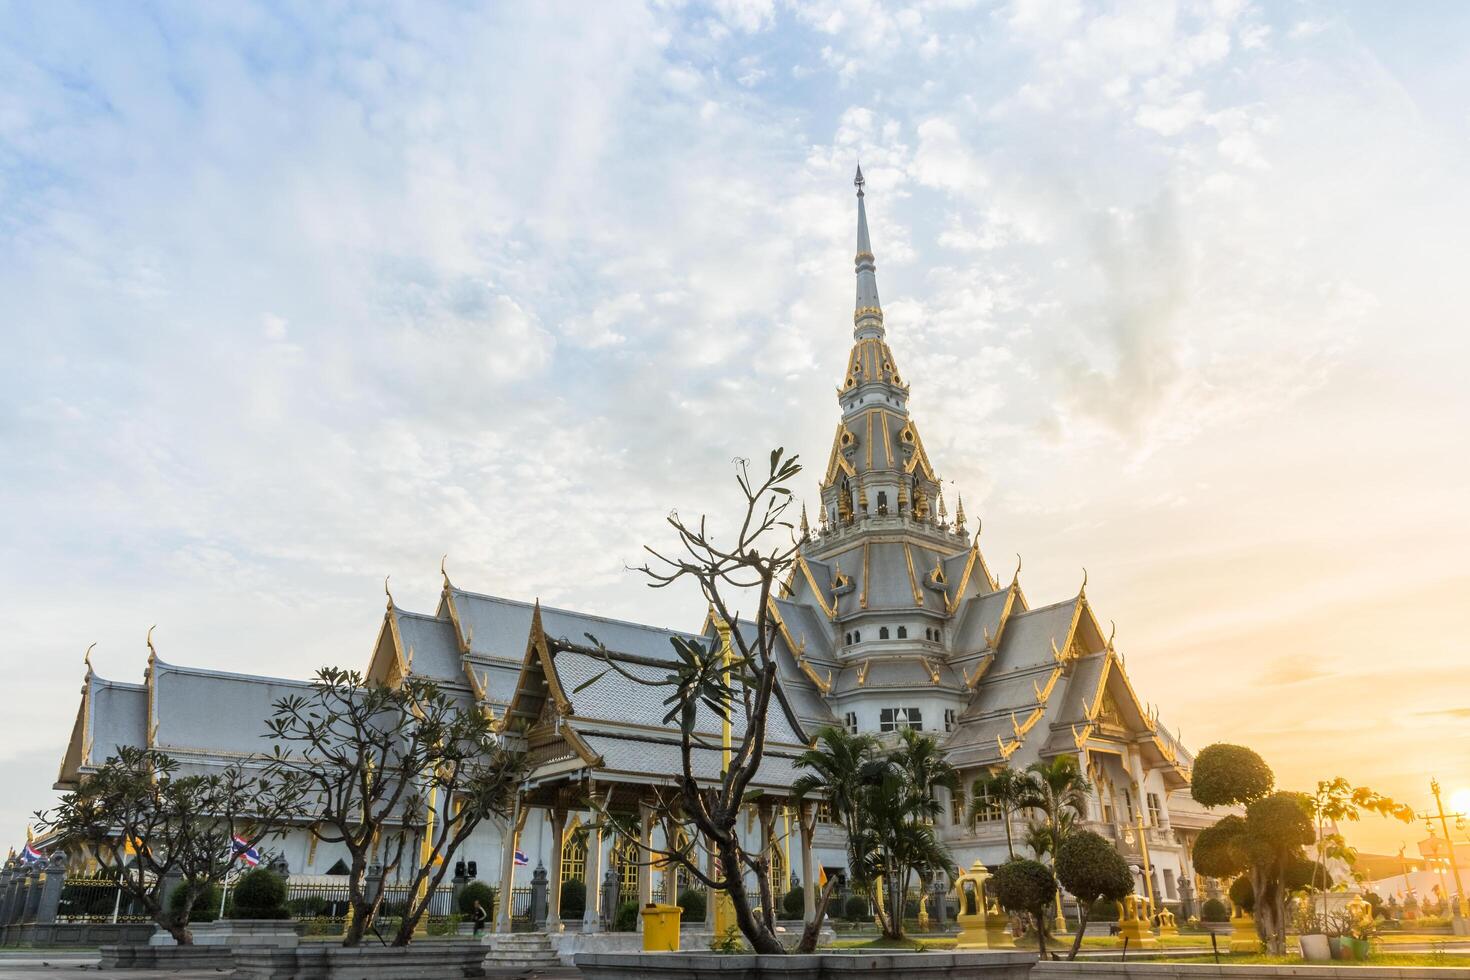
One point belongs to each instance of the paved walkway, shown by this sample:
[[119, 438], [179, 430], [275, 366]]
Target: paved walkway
[[37, 964]]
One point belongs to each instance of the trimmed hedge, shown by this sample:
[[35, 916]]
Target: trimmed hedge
[[260, 894], [694, 904]]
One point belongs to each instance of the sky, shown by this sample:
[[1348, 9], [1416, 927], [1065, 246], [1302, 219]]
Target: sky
[[297, 297]]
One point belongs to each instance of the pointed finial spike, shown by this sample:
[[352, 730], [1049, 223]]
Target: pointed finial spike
[[1083, 589], [152, 653], [87, 658], [386, 592], [1017, 576], [858, 180]]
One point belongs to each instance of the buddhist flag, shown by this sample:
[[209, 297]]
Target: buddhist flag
[[821, 877]]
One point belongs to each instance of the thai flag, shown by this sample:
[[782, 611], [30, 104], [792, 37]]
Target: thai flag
[[247, 853], [521, 858], [31, 856]]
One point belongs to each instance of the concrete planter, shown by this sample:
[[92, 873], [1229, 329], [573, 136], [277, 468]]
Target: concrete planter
[[322, 961], [280, 933], [146, 957], [817, 966]]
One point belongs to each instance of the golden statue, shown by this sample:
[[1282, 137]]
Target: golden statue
[[844, 506], [921, 504]]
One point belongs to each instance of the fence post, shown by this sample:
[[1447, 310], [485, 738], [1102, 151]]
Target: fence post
[[538, 896], [5, 878], [33, 892], [52, 880], [372, 884], [16, 904], [940, 898]]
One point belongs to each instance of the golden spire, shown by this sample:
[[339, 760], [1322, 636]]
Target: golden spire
[[943, 510], [959, 513], [806, 529]]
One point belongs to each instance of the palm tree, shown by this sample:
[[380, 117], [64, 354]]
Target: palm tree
[[1059, 790], [837, 768], [1005, 788]]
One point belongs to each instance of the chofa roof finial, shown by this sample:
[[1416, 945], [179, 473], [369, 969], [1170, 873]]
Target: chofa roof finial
[[1016, 578], [87, 658], [1082, 591], [386, 592], [152, 653]]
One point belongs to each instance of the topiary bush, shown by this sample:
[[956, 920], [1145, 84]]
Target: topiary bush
[[856, 909], [1027, 887], [260, 894], [694, 904], [793, 903], [1214, 910], [1104, 908], [477, 890], [1242, 894], [205, 908], [573, 899], [626, 919]]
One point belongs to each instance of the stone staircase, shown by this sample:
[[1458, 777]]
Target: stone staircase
[[525, 951]]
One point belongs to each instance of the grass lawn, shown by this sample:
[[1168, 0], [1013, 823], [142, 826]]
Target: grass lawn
[[1374, 959], [914, 945], [1164, 942]]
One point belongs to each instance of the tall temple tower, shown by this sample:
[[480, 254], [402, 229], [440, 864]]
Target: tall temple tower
[[886, 566]]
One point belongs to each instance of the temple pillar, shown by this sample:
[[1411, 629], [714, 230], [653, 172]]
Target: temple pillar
[[806, 823], [508, 863], [592, 913], [645, 858], [767, 820], [558, 819]]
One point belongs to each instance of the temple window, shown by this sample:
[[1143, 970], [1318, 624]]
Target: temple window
[[857, 636], [903, 632], [957, 808], [882, 502], [883, 632], [896, 719], [949, 715], [849, 721], [1155, 810]]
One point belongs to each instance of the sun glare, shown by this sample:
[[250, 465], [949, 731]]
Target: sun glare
[[1459, 802]]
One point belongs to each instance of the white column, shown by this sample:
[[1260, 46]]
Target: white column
[[592, 915], [645, 858], [508, 863], [557, 821], [806, 819]]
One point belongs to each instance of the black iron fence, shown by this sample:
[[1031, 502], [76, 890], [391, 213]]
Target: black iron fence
[[97, 900]]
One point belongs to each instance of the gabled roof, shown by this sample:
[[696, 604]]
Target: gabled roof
[[213, 711], [111, 714], [493, 626]]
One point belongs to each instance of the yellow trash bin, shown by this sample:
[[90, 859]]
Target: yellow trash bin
[[661, 928]]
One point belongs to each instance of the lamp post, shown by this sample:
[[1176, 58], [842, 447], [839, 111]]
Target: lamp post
[[1461, 906]]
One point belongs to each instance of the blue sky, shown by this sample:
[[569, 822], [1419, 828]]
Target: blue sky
[[297, 297]]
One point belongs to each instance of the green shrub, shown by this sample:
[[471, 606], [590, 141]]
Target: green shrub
[[1214, 910], [856, 909], [260, 894], [481, 891], [308, 907], [1104, 908], [573, 899], [1242, 894], [447, 925], [626, 919], [694, 904], [206, 904], [793, 903]]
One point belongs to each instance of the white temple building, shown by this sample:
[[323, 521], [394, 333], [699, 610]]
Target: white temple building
[[891, 619]]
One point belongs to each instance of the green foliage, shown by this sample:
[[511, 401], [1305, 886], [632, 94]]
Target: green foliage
[[260, 894], [1091, 869], [1219, 851], [477, 890], [573, 899], [1225, 774], [694, 904], [1277, 827], [856, 909], [1303, 873], [1214, 910], [886, 803], [205, 907], [792, 903], [1104, 908], [308, 907], [1242, 894], [626, 919], [1025, 886]]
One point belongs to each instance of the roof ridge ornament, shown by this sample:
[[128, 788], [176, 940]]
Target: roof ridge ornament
[[444, 572], [152, 653], [386, 592], [1016, 577], [87, 659]]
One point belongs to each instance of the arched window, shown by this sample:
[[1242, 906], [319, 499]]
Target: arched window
[[882, 502], [574, 854], [903, 632], [857, 636], [847, 638], [883, 632], [625, 857]]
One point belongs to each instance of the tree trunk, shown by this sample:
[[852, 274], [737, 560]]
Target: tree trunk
[[761, 940], [813, 929], [1041, 931], [1270, 911], [1082, 910]]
